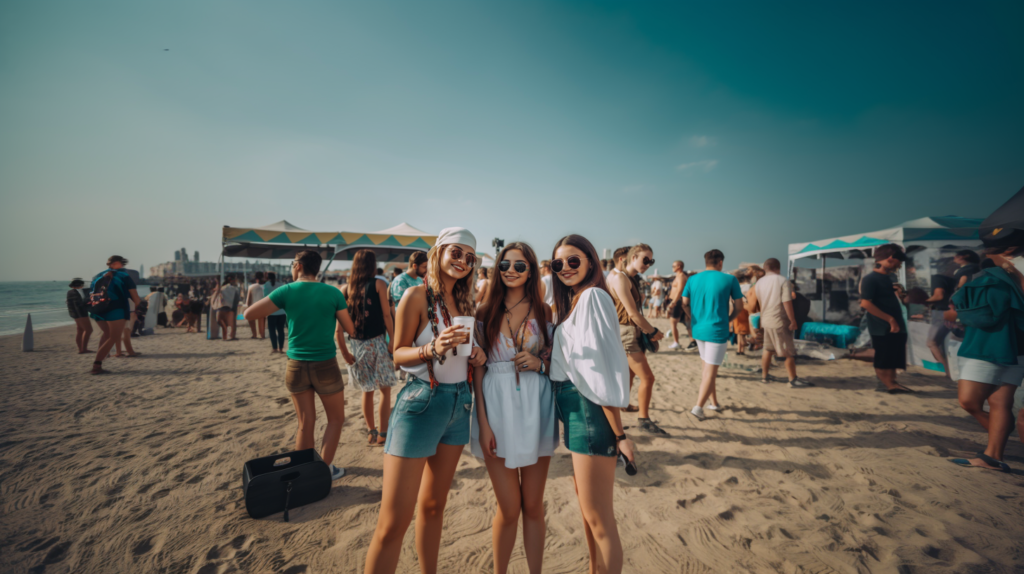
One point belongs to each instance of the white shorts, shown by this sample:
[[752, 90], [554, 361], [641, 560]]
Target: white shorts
[[991, 373], [656, 302], [712, 353]]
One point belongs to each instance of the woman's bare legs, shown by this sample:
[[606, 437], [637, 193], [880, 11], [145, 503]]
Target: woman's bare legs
[[518, 491], [368, 410], [402, 478], [222, 320], [595, 479], [83, 330], [707, 385], [385, 411], [334, 407], [433, 495], [263, 328], [998, 421]]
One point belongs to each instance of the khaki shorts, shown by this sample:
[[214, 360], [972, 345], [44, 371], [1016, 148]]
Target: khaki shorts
[[780, 342], [630, 340], [322, 376]]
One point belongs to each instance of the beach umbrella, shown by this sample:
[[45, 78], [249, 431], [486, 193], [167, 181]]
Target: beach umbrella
[[1005, 227]]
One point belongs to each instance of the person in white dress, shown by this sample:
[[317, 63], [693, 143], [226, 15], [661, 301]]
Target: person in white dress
[[514, 430], [590, 379]]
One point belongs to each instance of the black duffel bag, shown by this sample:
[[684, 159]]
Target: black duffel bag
[[284, 481]]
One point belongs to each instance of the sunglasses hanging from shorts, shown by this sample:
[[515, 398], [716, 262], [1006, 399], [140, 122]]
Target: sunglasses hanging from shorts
[[456, 254], [520, 266], [573, 261]]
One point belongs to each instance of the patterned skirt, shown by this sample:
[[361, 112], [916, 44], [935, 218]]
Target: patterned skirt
[[374, 367]]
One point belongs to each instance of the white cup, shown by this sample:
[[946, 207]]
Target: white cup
[[465, 349]]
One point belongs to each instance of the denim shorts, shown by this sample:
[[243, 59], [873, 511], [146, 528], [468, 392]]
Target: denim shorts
[[584, 425], [425, 417]]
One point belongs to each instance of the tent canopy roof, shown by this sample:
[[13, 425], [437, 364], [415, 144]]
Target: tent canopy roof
[[950, 228], [282, 240]]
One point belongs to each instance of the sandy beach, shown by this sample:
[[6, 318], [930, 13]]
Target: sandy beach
[[139, 470]]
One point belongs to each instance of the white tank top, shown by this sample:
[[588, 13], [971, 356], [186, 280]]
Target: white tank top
[[454, 368]]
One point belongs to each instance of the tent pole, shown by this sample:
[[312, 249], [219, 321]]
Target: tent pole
[[823, 305], [323, 274], [221, 265]]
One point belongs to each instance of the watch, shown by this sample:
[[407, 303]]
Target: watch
[[620, 438], [541, 367]]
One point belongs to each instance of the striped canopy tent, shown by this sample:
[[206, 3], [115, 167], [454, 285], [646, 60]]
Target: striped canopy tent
[[282, 240], [924, 233], [921, 233]]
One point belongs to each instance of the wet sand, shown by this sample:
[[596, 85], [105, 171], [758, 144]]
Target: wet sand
[[139, 470]]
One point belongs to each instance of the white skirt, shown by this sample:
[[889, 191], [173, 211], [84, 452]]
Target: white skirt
[[523, 421]]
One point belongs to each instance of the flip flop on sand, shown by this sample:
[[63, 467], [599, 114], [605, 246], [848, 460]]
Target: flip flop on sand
[[632, 409], [992, 463], [900, 389]]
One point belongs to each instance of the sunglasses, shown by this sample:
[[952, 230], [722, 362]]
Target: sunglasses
[[648, 262], [456, 254], [573, 261], [520, 266]]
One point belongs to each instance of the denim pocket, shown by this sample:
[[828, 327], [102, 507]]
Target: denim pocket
[[415, 399]]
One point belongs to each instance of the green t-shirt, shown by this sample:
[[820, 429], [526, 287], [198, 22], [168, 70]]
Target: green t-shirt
[[311, 309]]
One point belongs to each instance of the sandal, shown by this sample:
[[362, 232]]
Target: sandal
[[372, 434], [631, 409], [991, 462], [384, 437], [97, 367], [648, 426]]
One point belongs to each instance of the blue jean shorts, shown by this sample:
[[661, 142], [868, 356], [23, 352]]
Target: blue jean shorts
[[425, 417], [584, 424]]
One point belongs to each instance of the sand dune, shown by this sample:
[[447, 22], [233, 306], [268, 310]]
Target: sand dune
[[140, 471]]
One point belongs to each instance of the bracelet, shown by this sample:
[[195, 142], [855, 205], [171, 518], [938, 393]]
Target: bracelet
[[423, 354], [433, 351], [620, 438]]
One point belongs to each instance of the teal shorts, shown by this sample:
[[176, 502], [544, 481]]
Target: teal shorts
[[111, 315], [584, 425], [424, 418]]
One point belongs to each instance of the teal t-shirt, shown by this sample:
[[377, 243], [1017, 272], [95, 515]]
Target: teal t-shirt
[[400, 285], [311, 308], [709, 292]]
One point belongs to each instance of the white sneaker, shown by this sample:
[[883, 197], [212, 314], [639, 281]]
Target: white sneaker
[[674, 345], [698, 412], [713, 408], [336, 473]]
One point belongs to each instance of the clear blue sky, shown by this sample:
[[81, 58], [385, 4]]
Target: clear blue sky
[[141, 127]]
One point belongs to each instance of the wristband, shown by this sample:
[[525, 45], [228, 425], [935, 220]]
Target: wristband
[[620, 438]]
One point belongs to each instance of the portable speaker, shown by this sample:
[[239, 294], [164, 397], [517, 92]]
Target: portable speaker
[[284, 481]]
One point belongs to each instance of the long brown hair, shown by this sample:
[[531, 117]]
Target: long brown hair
[[462, 292], [492, 309], [565, 299], [364, 269]]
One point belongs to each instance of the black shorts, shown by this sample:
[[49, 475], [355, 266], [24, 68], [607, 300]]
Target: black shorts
[[890, 350], [677, 311]]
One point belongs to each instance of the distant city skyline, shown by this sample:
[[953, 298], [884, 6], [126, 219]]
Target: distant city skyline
[[136, 128]]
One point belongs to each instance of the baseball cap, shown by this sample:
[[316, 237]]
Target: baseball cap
[[883, 252]]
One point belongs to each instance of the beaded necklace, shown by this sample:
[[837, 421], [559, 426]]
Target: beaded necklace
[[447, 318]]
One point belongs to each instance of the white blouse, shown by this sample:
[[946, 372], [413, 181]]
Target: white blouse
[[588, 351]]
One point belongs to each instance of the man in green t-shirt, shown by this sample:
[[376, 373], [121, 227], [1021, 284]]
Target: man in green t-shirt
[[313, 309]]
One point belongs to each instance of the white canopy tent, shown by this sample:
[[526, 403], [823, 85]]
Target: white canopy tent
[[927, 241]]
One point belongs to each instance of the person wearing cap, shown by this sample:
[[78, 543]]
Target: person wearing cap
[[991, 357], [430, 423], [119, 289], [885, 318], [79, 311]]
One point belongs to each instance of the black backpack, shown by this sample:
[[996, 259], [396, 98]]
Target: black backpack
[[99, 300]]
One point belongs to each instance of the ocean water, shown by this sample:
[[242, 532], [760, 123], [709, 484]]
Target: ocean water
[[45, 300]]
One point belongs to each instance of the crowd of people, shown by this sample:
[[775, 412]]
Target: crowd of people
[[515, 359]]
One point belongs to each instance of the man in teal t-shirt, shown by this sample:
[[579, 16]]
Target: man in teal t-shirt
[[412, 277], [706, 296], [312, 320]]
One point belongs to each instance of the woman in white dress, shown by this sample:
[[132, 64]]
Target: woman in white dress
[[590, 379], [514, 430]]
